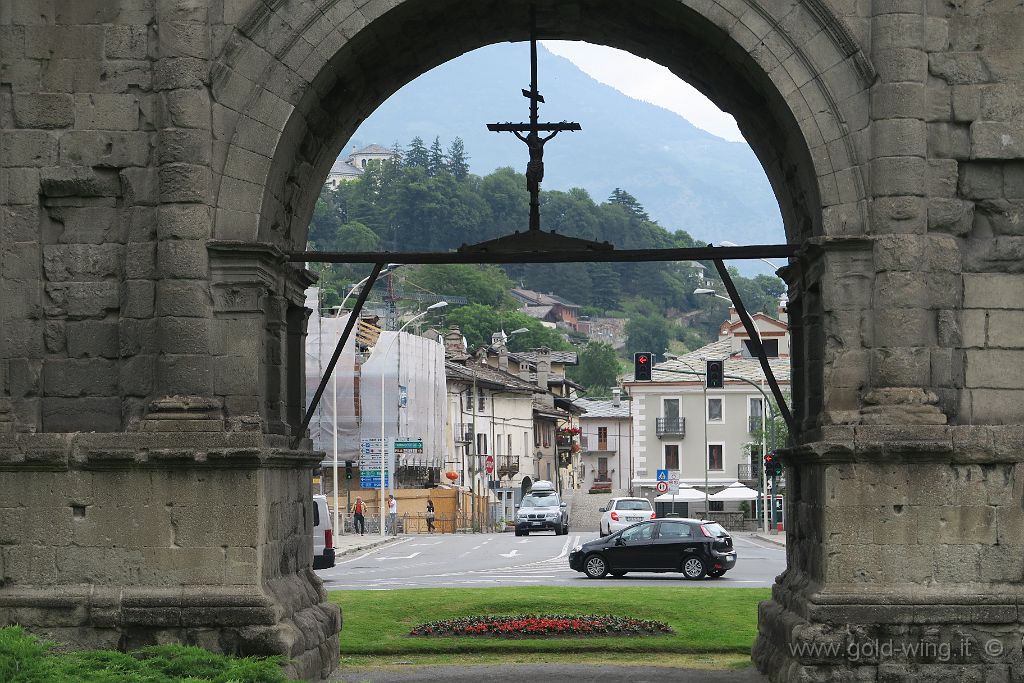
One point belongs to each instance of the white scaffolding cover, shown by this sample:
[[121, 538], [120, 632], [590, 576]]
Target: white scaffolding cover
[[322, 336], [411, 361], [417, 364]]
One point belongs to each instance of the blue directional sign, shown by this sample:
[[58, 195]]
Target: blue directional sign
[[370, 479], [662, 475]]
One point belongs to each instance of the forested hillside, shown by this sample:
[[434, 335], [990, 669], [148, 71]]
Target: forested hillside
[[427, 200], [686, 178]]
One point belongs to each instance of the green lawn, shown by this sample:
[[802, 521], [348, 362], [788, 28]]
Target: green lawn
[[26, 659], [704, 620]]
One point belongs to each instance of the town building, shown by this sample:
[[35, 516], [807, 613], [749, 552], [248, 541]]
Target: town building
[[711, 437], [606, 441], [353, 166], [548, 308]]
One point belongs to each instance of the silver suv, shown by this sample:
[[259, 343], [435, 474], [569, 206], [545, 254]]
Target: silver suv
[[541, 510]]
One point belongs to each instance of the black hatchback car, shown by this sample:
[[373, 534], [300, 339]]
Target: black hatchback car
[[694, 547]]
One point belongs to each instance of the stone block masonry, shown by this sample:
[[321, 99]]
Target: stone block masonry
[[163, 536]]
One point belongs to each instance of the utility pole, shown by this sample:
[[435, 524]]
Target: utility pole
[[472, 458]]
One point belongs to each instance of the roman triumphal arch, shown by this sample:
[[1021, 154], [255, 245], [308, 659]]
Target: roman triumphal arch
[[159, 159]]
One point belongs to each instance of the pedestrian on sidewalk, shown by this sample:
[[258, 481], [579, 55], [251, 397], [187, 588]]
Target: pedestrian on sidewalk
[[393, 514], [358, 520], [430, 516]]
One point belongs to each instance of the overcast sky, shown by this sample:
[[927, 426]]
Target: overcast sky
[[644, 80]]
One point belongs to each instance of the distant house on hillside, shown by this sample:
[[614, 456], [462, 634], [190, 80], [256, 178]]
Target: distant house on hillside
[[354, 165], [548, 308]]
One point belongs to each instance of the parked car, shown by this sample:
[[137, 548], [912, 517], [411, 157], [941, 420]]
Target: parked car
[[542, 509], [620, 513], [323, 534], [694, 547]]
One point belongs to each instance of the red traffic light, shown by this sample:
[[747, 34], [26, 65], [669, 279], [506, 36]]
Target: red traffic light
[[769, 458], [641, 359]]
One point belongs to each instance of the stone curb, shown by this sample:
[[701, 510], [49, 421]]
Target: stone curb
[[360, 548], [770, 539]]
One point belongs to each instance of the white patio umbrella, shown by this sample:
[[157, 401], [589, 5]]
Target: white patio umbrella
[[687, 494], [735, 491]]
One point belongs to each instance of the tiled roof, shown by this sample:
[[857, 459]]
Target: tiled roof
[[540, 298], [374, 149], [735, 364], [602, 408], [489, 377], [563, 357], [342, 167]]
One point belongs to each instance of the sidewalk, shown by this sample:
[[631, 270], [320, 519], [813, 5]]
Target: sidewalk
[[347, 544]]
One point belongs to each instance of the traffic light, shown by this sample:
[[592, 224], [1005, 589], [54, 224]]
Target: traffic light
[[348, 469], [715, 373], [642, 363], [772, 465]]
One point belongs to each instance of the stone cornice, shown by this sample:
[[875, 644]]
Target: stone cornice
[[133, 450], [952, 444]]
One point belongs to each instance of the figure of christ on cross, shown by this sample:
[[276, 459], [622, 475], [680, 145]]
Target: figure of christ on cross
[[535, 167]]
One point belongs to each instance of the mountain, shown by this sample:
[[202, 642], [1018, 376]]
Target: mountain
[[686, 178]]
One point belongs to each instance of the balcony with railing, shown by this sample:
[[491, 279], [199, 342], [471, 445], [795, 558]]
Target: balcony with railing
[[463, 432], [590, 443], [670, 426], [748, 472], [507, 465]]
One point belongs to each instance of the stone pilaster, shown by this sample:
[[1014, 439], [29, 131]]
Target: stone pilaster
[[184, 311]]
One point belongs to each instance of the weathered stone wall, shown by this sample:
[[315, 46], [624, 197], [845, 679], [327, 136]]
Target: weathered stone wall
[[127, 540], [158, 156]]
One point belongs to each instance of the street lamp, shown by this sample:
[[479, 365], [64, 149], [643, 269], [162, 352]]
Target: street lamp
[[383, 447], [711, 292], [726, 243]]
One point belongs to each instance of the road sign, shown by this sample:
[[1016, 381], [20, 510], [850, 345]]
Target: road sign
[[405, 444], [489, 464], [673, 482], [662, 475], [370, 478], [662, 487]]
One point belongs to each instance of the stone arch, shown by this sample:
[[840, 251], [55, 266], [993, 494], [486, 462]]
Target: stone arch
[[295, 80]]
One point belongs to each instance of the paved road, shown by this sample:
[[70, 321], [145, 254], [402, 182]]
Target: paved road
[[486, 560]]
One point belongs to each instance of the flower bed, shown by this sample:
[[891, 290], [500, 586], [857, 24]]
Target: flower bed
[[541, 626]]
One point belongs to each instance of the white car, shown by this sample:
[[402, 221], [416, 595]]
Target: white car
[[323, 534], [623, 512]]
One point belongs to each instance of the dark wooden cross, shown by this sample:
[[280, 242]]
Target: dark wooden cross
[[533, 129]]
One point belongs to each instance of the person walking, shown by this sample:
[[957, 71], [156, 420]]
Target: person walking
[[393, 514], [358, 520], [430, 516]]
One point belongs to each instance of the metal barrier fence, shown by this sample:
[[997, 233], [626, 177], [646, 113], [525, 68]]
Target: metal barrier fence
[[416, 523]]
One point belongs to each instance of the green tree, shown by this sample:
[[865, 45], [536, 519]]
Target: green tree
[[436, 163], [480, 284], [648, 333], [598, 368], [458, 161], [417, 154], [478, 323]]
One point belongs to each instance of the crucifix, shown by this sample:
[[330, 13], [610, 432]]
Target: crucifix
[[530, 133]]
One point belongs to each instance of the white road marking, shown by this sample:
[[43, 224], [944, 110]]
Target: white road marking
[[406, 557], [416, 545], [511, 554]]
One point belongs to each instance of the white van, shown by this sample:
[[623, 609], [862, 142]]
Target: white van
[[323, 535]]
